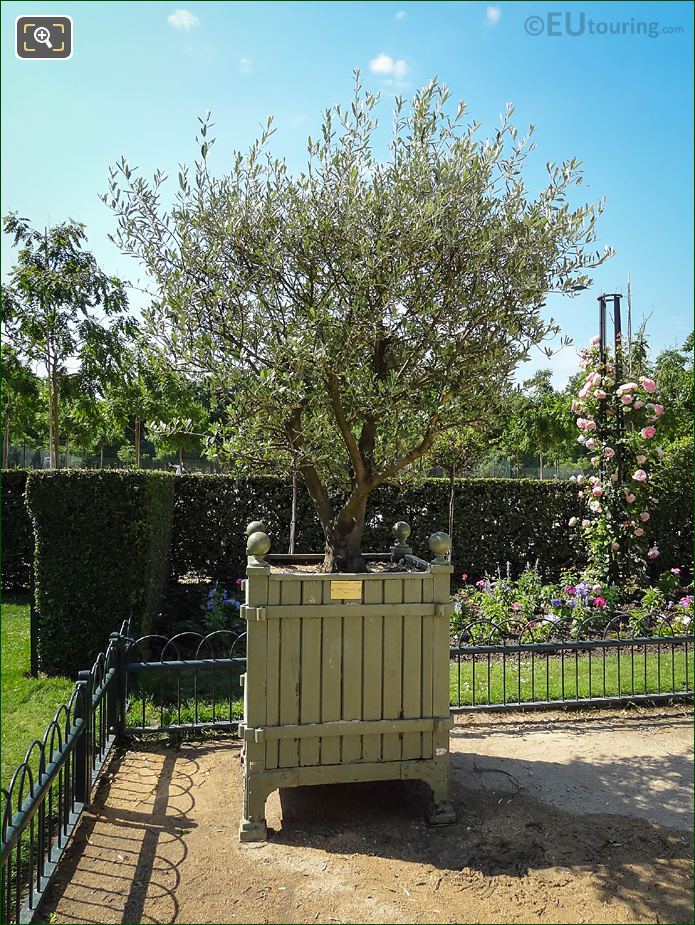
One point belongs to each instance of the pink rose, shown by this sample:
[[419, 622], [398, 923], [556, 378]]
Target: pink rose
[[639, 476], [626, 399], [615, 546], [658, 410], [596, 589], [626, 387], [576, 406], [637, 404], [600, 394], [590, 443], [597, 491], [590, 425], [572, 521], [639, 531], [585, 522], [584, 391], [581, 438], [595, 341], [653, 553], [648, 385], [608, 452], [594, 460], [676, 571], [644, 516], [629, 498], [641, 460], [648, 432], [595, 507]]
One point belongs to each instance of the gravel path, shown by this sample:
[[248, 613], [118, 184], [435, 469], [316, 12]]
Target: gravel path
[[567, 817]]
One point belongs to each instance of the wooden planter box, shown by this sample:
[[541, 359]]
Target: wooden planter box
[[347, 676]]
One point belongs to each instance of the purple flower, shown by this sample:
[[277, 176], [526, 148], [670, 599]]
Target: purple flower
[[556, 602]]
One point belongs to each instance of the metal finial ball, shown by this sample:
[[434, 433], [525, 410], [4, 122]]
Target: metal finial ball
[[254, 527], [258, 544], [440, 543], [401, 530]]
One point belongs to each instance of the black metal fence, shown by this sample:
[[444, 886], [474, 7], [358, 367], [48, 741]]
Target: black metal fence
[[544, 664], [140, 685]]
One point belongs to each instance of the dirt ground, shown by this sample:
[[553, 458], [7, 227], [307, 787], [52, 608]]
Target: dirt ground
[[569, 817]]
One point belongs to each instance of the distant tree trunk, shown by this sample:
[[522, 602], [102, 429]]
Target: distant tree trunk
[[101, 457], [54, 399], [181, 456], [293, 515], [6, 439], [452, 501], [67, 447], [540, 465], [137, 441]]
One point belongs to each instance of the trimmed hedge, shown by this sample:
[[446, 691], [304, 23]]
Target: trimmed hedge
[[672, 520], [496, 521], [17, 532], [102, 551]]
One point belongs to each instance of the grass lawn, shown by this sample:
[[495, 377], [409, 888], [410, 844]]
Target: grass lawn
[[650, 673], [28, 704]]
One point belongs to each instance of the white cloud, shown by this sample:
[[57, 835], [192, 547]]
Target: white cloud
[[493, 14], [182, 19], [386, 66], [400, 15], [245, 65]]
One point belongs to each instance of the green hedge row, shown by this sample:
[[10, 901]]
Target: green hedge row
[[17, 532], [672, 522], [496, 521], [102, 552]]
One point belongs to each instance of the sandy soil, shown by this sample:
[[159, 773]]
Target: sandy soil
[[562, 818]]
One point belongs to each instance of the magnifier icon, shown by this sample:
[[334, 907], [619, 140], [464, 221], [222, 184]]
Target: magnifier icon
[[43, 36]]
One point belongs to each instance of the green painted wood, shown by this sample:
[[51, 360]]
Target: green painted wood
[[393, 665], [331, 683], [290, 660], [339, 610], [347, 727], [412, 668], [273, 675], [352, 626], [310, 674], [372, 672], [426, 686]]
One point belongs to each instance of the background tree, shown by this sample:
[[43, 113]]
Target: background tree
[[21, 400], [47, 308], [363, 306]]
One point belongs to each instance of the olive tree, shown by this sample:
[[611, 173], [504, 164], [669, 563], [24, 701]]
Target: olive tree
[[355, 310]]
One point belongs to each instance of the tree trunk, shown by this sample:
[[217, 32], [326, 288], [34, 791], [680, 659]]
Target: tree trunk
[[344, 538], [540, 466], [293, 516], [181, 457], [137, 441], [101, 457], [452, 501], [6, 440], [67, 447], [55, 419]]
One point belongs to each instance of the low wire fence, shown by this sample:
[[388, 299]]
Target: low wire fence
[[543, 664], [194, 682]]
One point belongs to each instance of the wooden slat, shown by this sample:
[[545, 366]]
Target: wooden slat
[[427, 679], [352, 683], [273, 677], [290, 648], [331, 683], [310, 676], [326, 611], [393, 663], [372, 661], [412, 669], [344, 727]]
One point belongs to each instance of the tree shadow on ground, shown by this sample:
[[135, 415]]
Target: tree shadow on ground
[[505, 831]]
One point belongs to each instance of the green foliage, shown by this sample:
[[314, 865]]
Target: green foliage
[[672, 520], [17, 532], [432, 264], [102, 552], [497, 520]]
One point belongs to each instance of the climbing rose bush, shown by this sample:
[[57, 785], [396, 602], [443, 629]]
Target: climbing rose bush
[[618, 494]]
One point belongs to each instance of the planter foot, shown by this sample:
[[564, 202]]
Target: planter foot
[[252, 830], [441, 813]]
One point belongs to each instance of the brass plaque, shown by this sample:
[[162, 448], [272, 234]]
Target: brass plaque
[[346, 590]]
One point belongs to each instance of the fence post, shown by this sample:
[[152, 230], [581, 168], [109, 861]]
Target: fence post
[[115, 696], [83, 748]]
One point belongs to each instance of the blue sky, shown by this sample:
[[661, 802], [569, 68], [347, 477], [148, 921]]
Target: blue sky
[[142, 72]]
